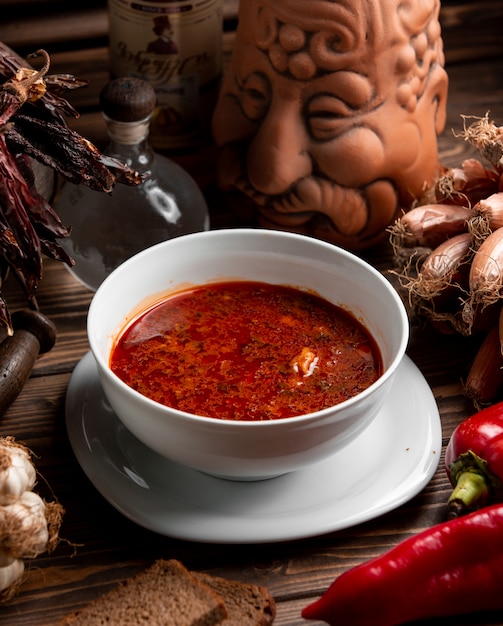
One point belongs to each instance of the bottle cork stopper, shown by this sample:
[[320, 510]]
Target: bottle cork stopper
[[127, 99]]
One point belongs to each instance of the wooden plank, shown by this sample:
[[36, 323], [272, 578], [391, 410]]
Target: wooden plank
[[471, 30], [24, 31]]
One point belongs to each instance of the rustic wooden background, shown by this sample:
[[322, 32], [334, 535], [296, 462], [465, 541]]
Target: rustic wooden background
[[109, 546], [75, 35]]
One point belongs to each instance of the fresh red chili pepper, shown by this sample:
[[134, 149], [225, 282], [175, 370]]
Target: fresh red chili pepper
[[453, 568], [474, 461]]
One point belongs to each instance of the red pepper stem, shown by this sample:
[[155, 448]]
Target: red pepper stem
[[471, 492], [21, 88]]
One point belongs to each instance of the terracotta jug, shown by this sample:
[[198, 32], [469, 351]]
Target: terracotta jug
[[328, 117]]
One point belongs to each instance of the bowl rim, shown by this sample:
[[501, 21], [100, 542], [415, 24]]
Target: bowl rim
[[103, 365]]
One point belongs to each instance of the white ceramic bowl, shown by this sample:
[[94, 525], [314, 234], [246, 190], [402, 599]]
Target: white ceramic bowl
[[247, 450]]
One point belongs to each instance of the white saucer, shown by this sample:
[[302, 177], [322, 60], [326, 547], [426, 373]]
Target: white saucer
[[386, 466]]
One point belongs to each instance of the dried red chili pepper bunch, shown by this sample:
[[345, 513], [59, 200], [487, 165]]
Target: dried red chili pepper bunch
[[32, 126], [449, 256]]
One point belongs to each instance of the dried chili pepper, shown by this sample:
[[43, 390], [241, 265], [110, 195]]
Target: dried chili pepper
[[52, 106], [18, 232], [474, 461], [72, 156], [32, 126], [453, 568]]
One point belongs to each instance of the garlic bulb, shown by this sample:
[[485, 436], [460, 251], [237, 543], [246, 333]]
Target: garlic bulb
[[17, 473], [25, 526], [28, 525], [9, 574]]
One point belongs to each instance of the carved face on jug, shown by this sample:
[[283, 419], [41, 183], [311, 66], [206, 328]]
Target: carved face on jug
[[328, 118]]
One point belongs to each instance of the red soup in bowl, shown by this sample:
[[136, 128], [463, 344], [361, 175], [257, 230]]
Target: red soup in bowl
[[246, 351]]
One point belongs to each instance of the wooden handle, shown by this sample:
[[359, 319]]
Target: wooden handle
[[33, 334]]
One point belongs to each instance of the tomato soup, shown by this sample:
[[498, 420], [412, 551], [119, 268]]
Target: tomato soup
[[246, 351]]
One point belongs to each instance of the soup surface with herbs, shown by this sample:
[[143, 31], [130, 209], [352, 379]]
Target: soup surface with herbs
[[246, 351]]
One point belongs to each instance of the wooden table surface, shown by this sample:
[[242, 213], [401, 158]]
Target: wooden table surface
[[99, 546]]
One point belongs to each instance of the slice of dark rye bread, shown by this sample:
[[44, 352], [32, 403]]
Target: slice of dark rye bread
[[246, 604], [167, 594]]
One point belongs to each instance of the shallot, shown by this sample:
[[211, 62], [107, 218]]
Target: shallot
[[441, 268], [485, 375], [429, 225], [486, 273], [449, 255], [486, 216]]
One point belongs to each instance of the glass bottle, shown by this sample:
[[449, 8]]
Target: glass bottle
[[108, 229], [175, 45]]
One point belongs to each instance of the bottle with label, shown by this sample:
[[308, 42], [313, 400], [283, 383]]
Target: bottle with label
[[176, 46], [108, 229]]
